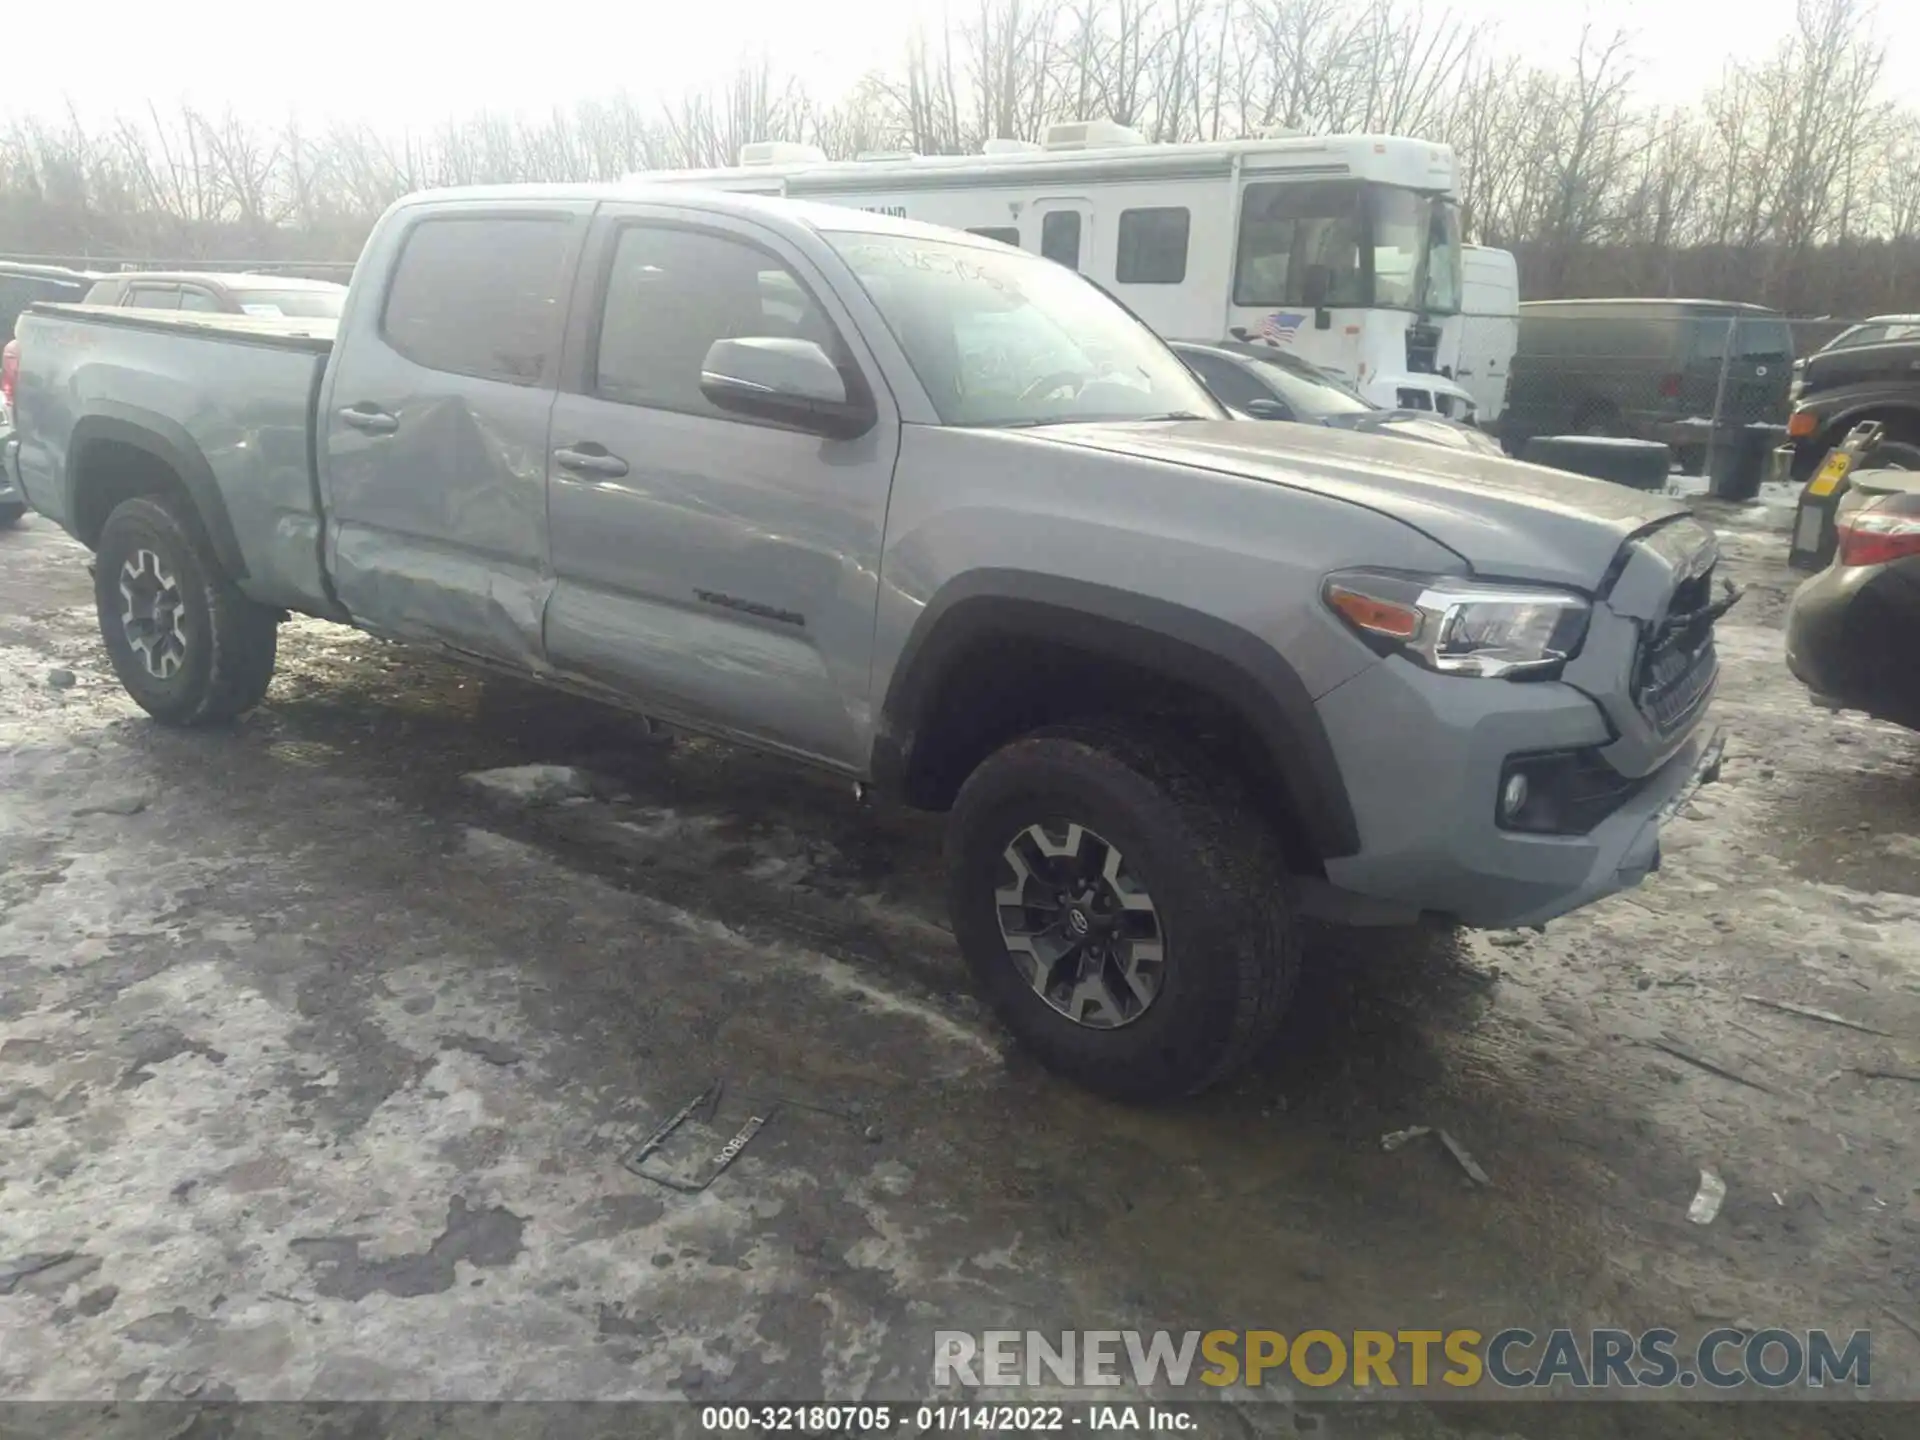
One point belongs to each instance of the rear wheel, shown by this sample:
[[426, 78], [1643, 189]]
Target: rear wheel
[[187, 645], [11, 513], [1121, 909]]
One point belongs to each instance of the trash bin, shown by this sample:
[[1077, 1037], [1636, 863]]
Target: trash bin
[[1740, 460], [1641, 464]]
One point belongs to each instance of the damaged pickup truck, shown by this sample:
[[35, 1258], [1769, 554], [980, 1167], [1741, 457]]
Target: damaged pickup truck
[[939, 517]]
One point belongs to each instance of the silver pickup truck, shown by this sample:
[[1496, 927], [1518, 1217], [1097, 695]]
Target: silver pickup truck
[[943, 518]]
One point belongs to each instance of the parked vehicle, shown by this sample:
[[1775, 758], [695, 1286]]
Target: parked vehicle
[[1489, 329], [21, 285], [1853, 630], [1877, 330], [1359, 274], [940, 518], [13, 505], [218, 292], [1843, 385], [1263, 382], [1647, 370]]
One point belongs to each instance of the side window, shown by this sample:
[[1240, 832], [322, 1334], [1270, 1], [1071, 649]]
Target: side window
[[1060, 237], [149, 297], [1005, 234], [192, 299], [1153, 246], [672, 293], [481, 296], [1229, 384]]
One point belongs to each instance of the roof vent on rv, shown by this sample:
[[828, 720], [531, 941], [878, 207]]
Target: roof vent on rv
[[780, 152], [1001, 145], [1090, 135], [1281, 132]]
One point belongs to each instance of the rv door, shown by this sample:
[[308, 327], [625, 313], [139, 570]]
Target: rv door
[[1066, 230]]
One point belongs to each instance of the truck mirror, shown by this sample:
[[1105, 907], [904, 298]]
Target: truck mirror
[[793, 382]]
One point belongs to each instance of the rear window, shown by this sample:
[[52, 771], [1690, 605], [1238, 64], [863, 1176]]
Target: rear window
[[1753, 339], [298, 304], [482, 296]]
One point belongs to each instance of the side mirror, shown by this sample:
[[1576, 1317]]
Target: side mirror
[[1268, 410], [792, 382]]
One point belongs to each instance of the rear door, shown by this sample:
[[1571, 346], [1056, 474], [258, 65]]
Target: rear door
[[722, 570], [434, 428]]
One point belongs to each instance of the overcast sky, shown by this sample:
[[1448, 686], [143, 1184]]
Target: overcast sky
[[415, 62]]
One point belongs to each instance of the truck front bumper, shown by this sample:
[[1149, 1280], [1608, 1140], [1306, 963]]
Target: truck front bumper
[[1430, 837]]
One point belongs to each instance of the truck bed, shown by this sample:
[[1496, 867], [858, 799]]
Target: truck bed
[[225, 403], [275, 330]]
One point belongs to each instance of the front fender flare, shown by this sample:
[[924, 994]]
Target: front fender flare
[[1231, 664]]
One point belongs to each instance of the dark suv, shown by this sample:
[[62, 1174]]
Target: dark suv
[[23, 285]]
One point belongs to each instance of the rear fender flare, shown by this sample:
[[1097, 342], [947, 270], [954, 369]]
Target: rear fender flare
[[168, 442]]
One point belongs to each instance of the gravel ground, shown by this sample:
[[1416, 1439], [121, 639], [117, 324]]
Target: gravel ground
[[324, 1039]]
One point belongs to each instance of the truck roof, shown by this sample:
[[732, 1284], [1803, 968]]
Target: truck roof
[[1651, 306], [769, 209]]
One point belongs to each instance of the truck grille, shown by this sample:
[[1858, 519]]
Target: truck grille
[[1674, 681], [1677, 667]]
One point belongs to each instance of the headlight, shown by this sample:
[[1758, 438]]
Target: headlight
[[1461, 627]]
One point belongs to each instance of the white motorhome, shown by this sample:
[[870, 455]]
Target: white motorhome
[[1343, 249]]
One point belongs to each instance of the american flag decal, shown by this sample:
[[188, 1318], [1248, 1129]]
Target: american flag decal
[[1279, 327]]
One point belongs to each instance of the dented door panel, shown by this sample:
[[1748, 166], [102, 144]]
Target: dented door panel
[[433, 443]]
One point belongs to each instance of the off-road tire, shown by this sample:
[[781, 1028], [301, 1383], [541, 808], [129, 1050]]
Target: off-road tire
[[230, 641], [12, 512], [1214, 870]]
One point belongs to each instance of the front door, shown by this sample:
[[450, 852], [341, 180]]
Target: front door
[[718, 570], [435, 428]]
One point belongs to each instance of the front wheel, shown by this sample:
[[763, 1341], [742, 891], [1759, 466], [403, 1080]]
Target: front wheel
[[1122, 910], [187, 645]]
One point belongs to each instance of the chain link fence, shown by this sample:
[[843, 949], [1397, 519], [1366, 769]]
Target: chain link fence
[[1715, 387]]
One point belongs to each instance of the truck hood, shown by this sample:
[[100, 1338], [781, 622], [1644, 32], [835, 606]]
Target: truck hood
[[1897, 362], [1505, 519]]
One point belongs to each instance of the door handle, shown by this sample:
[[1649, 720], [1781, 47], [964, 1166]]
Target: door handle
[[369, 421], [595, 461]]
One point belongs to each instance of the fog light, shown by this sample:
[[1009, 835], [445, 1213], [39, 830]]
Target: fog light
[[1513, 795]]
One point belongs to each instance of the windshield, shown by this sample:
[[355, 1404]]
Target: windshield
[[297, 304], [1876, 333], [1309, 393], [1002, 338], [1348, 243]]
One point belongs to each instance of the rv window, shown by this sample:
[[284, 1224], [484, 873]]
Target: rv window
[[1005, 234], [1153, 247], [1301, 244], [1060, 237]]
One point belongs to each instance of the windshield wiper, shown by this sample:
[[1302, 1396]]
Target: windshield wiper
[[1099, 420]]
